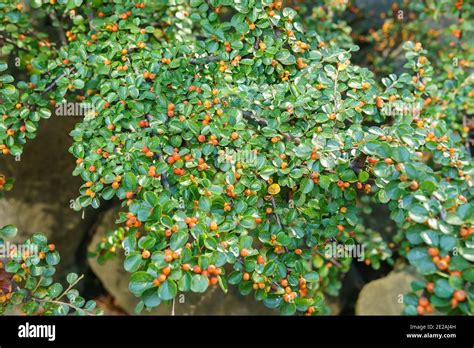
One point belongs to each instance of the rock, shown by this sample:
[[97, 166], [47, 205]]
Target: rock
[[213, 302], [43, 189], [334, 304], [384, 296]]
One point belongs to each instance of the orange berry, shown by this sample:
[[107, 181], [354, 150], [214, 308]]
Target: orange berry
[[420, 310], [379, 102], [459, 295], [423, 301], [442, 265]]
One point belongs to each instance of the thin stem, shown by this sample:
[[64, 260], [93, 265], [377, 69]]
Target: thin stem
[[334, 261], [261, 121], [274, 213], [204, 60], [69, 288], [64, 303], [37, 285], [8, 40]]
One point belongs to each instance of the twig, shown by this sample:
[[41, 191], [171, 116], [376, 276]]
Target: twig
[[204, 60], [69, 288], [467, 141], [37, 285], [65, 303], [272, 281], [257, 43], [336, 100], [8, 40], [337, 263], [274, 213], [252, 117], [56, 80], [164, 177]]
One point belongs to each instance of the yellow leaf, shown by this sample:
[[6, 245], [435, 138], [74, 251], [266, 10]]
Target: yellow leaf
[[274, 189]]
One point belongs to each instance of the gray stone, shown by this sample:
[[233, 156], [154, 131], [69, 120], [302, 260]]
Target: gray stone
[[382, 296], [43, 189]]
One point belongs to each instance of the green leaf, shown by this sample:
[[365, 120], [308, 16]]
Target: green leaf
[[269, 269], [55, 290], [468, 275], [139, 282], [129, 182], [447, 243], [78, 84], [287, 308], [71, 278], [306, 185], [443, 289], [8, 231], [324, 181], [205, 204], [311, 277], [178, 240], [272, 301], [167, 290], [199, 283], [151, 298], [223, 284], [53, 258], [133, 262], [285, 57], [235, 277], [418, 214]]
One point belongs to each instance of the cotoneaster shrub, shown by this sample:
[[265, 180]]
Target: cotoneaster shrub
[[242, 140]]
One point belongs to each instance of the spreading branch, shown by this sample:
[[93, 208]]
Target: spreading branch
[[204, 60], [10, 41], [274, 212], [262, 122]]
